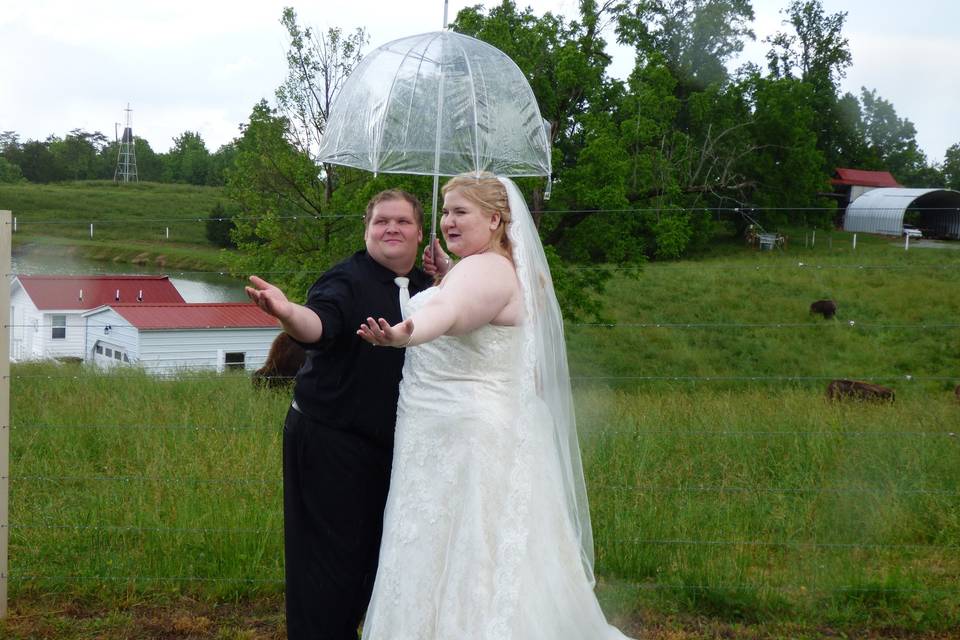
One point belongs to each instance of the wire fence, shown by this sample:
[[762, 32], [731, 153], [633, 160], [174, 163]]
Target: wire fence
[[119, 482]]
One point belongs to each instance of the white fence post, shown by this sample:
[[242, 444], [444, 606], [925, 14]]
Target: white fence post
[[6, 235], [906, 243], [854, 241]]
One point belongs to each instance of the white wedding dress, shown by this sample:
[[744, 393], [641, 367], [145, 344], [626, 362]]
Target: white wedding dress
[[478, 543]]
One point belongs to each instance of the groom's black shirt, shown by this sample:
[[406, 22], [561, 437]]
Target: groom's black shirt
[[346, 383]]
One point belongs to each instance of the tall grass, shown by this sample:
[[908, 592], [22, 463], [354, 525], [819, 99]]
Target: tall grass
[[762, 504], [747, 504]]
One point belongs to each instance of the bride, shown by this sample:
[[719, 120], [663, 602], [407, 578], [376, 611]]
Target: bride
[[486, 530]]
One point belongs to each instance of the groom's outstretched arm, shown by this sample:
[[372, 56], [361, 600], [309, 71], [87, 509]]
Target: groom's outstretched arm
[[299, 322]]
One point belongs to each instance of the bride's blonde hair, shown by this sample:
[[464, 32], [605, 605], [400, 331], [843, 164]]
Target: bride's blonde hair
[[488, 193]]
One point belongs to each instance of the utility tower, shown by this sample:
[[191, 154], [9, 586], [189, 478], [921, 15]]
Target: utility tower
[[126, 156]]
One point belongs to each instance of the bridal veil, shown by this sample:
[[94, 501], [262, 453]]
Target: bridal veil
[[545, 354]]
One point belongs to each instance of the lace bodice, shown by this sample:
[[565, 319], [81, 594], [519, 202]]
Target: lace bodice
[[450, 371]]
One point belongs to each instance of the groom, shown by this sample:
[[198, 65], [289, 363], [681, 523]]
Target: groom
[[338, 435]]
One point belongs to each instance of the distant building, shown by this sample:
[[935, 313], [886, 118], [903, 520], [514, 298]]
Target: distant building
[[874, 202], [46, 311], [171, 338], [850, 184], [936, 212]]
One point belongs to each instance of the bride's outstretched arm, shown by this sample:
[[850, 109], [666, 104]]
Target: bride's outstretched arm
[[475, 292]]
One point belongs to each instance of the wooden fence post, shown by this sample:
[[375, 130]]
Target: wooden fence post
[[6, 235]]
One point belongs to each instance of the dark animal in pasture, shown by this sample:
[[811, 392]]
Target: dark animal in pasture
[[826, 308], [284, 360], [956, 392], [858, 390]]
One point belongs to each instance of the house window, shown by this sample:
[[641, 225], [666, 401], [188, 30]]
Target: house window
[[99, 349], [233, 360], [59, 323], [108, 352], [117, 355]]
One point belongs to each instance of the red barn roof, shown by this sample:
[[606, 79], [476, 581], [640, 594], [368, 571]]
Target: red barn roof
[[862, 178], [61, 293], [196, 315]]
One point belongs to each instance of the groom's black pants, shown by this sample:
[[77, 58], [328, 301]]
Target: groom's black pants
[[334, 489]]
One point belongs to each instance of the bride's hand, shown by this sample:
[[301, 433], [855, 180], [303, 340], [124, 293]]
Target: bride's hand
[[379, 333]]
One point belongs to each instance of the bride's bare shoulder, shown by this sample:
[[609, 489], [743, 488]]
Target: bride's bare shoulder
[[487, 260]]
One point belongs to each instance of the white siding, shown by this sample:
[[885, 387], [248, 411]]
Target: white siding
[[69, 346], [170, 351], [24, 326], [31, 329], [120, 334]]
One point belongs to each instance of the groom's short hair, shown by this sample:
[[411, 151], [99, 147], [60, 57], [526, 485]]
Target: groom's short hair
[[394, 194]]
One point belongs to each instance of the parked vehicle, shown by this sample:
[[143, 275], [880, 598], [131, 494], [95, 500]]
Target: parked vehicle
[[913, 232]]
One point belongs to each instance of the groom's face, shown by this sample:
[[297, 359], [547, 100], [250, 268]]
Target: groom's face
[[393, 235]]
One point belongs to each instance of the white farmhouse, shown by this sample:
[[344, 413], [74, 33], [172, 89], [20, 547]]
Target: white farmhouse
[[171, 338], [46, 311]]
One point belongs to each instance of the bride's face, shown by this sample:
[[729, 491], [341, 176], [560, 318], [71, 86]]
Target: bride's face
[[466, 227]]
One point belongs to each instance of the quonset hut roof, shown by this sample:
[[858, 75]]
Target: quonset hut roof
[[882, 210]]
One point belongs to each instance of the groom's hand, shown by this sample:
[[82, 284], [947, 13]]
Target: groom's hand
[[269, 298]]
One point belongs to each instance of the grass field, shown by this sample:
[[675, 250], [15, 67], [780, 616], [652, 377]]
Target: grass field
[[145, 223], [729, 498]]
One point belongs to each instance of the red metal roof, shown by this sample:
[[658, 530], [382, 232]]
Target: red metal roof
[[63, 293], [196, 315], [860, 177]]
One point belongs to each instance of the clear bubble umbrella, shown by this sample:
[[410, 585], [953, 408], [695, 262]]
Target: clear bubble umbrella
[[438, 104]]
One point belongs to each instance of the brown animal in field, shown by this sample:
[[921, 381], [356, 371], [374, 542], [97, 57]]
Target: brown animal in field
[[858, 390], [956, 392], [826, 308], [284, 360]]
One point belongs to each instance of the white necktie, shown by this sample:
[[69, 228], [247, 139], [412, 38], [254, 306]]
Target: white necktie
[[404, 294]]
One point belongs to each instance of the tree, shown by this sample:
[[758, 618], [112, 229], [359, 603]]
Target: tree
[[220, 162], [891, 140], [283, 226], [784, 161], [317, 67], [564, 63], [188, 160], [38, 164], [79, 154], [9, 172], [695, 38], [951, 167], [219, 226], [817, 53]]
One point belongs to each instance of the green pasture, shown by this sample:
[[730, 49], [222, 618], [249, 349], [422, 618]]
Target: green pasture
[[722, 483], [139, 212]]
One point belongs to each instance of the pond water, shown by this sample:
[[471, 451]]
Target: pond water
[[194, 286]]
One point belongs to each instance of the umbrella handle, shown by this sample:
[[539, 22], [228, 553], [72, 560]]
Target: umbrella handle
[[433, 224]]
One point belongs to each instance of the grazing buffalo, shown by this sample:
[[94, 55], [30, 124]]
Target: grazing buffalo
[[283, 362], [826, 308], [858, 390]]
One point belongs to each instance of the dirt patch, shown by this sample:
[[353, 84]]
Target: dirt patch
[[262, 618]]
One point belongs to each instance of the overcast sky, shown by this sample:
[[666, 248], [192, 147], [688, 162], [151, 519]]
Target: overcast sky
[[202, 65]]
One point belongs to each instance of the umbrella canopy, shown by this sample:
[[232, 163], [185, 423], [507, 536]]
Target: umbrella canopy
[[437, 104]]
